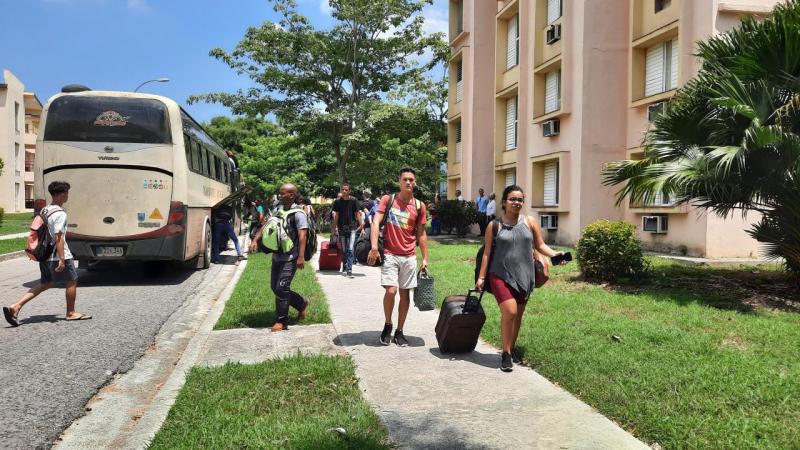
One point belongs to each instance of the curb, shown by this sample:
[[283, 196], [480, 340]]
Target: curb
[[127, 430], [12, 255]]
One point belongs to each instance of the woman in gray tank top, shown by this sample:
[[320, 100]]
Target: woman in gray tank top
[[511, 272]]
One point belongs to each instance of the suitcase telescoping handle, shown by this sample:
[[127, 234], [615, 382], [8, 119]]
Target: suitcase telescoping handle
[[471, 305]]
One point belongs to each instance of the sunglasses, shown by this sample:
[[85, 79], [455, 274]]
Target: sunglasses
[[516, 200]]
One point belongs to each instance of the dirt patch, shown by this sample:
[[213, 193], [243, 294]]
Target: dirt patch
[[734, 341]]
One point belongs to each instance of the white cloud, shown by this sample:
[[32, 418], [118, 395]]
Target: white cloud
[[436, 20], [139, 5], [325, 7]]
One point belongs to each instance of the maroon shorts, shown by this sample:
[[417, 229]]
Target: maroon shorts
[[502, 291]]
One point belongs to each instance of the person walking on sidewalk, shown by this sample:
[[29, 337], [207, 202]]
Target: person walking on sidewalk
[[403, 230], [346, 223], [511, 273], [480, 202], [491, 209], [284, 265], [60, 266]]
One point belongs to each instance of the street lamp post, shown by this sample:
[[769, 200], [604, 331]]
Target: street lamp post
[[157, 80]]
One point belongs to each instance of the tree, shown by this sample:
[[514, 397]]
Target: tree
[[271, 161], [323, 84], [729, 140], [231, 134]]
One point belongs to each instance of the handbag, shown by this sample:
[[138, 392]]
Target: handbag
[[541, 272], [424, 293]]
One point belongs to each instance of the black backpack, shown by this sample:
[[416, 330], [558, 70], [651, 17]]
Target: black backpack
[[311, 235], [39, 246], [479, 257]]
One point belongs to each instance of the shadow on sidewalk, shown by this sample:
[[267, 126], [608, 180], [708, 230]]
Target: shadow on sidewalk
[[490, 360], [371, 339]]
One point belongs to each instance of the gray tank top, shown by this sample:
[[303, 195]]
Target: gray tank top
[[512, 258]]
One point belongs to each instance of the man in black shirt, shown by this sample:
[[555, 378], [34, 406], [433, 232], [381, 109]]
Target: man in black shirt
[[347, 221]]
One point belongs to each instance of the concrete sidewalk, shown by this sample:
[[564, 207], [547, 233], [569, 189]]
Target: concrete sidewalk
[[430, 400]]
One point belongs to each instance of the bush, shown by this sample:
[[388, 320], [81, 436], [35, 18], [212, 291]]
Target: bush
[[2, 212], [458, 215], [609, 251], [322, 212]]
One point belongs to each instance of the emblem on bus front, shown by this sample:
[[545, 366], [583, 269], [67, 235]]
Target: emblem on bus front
[[111, 119], [109, 149]]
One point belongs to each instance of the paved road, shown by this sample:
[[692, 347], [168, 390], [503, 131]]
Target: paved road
[[50, 368]]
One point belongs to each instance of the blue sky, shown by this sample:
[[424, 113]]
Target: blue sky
[[117, 44]]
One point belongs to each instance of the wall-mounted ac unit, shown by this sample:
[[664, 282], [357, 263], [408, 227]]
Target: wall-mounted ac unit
[[654, 224], [655, 109], [551, 127], [553, 33], [548, 221]]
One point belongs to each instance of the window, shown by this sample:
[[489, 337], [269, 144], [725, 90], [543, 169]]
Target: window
[[16, 156], [661, 68], [458, 142], [197, 158], [663, 200], [217, 169], [512, 42], [27, 128], [30, 159], [511, 123], [661, 4], [551, 183], [187, 147], [459, 82], [552, 92], [511, 177], [16, 117], [460, 17], [553, 10], [107, 119]]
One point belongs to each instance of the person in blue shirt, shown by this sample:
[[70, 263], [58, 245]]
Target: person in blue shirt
[[480, 202]]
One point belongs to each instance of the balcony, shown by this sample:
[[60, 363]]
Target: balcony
[[29, 140]]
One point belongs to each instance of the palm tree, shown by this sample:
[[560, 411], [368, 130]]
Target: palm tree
[[729, 140]]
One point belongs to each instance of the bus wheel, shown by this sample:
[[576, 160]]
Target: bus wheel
[[207, 248]]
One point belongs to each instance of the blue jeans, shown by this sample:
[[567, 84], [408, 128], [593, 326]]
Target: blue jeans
[[436, 226], [221, 229], [348, 240]]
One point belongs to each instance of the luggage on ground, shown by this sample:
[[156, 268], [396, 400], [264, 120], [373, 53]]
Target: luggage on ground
[[362, 248], [460, 321], [330, 258]]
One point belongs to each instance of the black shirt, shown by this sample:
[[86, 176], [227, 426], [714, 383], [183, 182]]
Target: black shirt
[[347, 210]]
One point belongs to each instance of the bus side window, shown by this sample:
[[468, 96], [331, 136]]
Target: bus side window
[[218, 168], [212, 165], [225, 171], [196, 161], [187, 146], [204, 154]]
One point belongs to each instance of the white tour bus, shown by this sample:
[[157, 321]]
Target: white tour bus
[[144, 176]]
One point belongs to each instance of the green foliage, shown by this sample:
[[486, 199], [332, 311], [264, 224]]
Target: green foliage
[[2, 213], [1, 166], [273, 160], [608, 251], [323, 216], [458, 215], [730, 138], [326, 86], [233, 134]]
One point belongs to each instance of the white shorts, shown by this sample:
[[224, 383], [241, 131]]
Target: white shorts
[[399, 271]]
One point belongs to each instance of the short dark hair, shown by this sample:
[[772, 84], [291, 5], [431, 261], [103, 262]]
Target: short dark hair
[[407, 170], [346, 184], [58, 187]]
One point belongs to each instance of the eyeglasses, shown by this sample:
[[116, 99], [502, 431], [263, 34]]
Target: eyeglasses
[[516, 200]]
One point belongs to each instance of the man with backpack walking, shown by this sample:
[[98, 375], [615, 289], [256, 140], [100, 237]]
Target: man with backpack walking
[[58, 265], [403, 229], [286, 263], [346, 224]]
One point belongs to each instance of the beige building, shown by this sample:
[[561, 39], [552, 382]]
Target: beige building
[[543, 93], [19, 125]]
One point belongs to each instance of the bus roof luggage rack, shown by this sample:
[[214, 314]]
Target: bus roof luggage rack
[[74, 88]]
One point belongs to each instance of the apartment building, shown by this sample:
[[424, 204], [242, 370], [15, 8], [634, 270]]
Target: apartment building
[[20, 112], [573, 85]]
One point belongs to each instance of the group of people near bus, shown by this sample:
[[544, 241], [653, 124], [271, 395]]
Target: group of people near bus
[[399, 218]]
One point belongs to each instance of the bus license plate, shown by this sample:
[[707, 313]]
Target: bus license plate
[[109, 251]]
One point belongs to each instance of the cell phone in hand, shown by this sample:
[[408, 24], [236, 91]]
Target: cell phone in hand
[[556, 260]]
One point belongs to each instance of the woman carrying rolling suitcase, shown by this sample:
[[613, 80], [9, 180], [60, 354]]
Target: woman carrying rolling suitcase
[[511, 272]]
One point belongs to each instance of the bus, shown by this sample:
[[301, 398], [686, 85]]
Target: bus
[[144, 176]]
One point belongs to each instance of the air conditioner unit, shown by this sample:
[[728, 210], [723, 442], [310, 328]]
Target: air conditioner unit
[[551, 127], [654, 224], [548, 221], [553, 33], [655, 109]]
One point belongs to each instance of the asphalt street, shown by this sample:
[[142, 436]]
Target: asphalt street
[[50, 368]]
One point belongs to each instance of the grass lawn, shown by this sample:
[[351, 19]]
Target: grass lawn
[[14, 223], [284, 403], [701, 362], [252, 304], [12, 245]]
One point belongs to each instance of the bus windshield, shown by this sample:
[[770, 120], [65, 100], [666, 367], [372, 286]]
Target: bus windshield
[[107, 119]]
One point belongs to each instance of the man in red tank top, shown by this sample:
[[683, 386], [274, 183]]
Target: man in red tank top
[[403, 230]]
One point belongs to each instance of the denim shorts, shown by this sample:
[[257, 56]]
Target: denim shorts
[[48, 272]]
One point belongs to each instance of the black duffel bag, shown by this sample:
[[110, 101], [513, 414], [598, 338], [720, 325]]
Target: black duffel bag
[[362, 247]]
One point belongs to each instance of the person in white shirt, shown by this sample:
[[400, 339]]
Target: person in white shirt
[[491, 209], [60, 266], [459, 197]]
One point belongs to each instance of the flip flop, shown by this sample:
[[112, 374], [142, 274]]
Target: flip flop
[[10, 318], [80, 317]]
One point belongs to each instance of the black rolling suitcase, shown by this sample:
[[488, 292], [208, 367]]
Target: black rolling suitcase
[[460, 321]]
